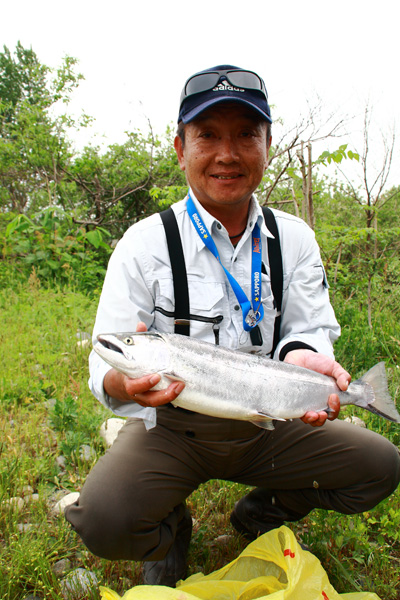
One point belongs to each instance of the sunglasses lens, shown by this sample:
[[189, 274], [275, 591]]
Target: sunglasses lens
[[245, 79], [201, 83]]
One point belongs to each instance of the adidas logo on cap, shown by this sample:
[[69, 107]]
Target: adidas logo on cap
[[226, 86]]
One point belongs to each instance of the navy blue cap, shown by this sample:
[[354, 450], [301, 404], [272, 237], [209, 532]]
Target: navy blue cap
[[193, 105]]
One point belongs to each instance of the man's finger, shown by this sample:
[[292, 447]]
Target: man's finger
[[141, 384], [334, 406], [160, 397], [316, 419]]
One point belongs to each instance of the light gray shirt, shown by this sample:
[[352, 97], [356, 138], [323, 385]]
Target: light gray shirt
[[138, 287]]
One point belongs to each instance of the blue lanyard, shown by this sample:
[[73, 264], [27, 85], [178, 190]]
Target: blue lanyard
[[253, 311]]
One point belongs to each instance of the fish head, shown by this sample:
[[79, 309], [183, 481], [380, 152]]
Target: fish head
[[134, 354]]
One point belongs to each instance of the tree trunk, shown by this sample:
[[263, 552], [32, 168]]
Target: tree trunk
[[310, 204], [307, 206]]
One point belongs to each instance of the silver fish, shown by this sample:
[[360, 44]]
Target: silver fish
[[229, 384]]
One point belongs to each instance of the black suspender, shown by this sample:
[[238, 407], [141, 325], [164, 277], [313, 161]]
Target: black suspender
[[276, 271], [181, 291], [179, 275]]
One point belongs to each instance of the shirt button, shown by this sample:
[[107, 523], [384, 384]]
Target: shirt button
[[237, 307], [219, 226]]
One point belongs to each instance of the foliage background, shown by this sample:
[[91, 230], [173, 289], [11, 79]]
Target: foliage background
[[61, 213]]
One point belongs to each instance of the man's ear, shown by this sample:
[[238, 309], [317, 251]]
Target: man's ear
[[179, 152], [268, 149]]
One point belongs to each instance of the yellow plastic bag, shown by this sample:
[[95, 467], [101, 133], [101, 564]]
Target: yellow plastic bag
[[273, 567]]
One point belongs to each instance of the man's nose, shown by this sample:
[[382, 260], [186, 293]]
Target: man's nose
[[227, 150]]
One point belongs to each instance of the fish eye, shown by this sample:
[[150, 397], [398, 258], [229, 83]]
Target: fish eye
[[129, 341]]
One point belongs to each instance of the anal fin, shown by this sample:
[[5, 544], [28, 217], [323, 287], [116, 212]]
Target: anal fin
[[263, 423]]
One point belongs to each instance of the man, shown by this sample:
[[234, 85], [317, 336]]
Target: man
[[132, 505]]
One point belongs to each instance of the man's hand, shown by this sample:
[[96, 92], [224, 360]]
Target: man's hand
[[125, 389], [327, 366]]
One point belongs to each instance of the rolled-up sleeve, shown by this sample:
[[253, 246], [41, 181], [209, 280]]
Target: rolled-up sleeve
[[125, 300], [308, 319]]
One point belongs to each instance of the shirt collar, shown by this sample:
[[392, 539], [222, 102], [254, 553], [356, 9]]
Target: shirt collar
[[208, 220], [255, 215]]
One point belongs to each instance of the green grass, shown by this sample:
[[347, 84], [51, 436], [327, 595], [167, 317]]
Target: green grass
[[46, 409]]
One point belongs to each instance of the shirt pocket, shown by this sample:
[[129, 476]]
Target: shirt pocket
[[206, 308]]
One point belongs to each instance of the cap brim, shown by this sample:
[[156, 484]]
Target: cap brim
[[195, 112]]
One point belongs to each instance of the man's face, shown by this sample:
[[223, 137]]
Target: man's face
[[224, 156]]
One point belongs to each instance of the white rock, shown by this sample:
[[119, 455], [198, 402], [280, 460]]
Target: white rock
[[84, 339], [61, 567], [16, 503], [83, 343], [87, 453], [223, 540], [79, 584], [355, 421], [50, 403], [32, 498], [61, 462], [62, 504], [110, 429], [24, 527], [58, 495], [83, 335]]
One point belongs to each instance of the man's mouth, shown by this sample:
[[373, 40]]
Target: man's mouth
[[226, 176]]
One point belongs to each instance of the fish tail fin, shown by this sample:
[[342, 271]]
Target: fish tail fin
[[381, 402]]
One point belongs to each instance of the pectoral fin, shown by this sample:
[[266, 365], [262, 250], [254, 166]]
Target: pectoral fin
[[173, 377], [265, 421]]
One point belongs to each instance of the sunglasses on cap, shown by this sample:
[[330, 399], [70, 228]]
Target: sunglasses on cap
[[203, 82]]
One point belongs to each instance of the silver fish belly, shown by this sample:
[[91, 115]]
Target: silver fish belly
[[230, 384]]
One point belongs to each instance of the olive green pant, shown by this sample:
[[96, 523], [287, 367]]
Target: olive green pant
[[133, 499]]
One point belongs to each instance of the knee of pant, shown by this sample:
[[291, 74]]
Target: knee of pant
[[108, 533], [395, 470], [386, 467]]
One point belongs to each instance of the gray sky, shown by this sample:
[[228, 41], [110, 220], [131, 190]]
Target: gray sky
[[135, 56]]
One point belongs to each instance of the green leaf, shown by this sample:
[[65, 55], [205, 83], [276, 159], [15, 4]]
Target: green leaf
[[53, 264], [20, 223], [94, 237]]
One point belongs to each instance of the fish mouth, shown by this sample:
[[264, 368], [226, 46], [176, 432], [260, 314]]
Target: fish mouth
[[109, 345]]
